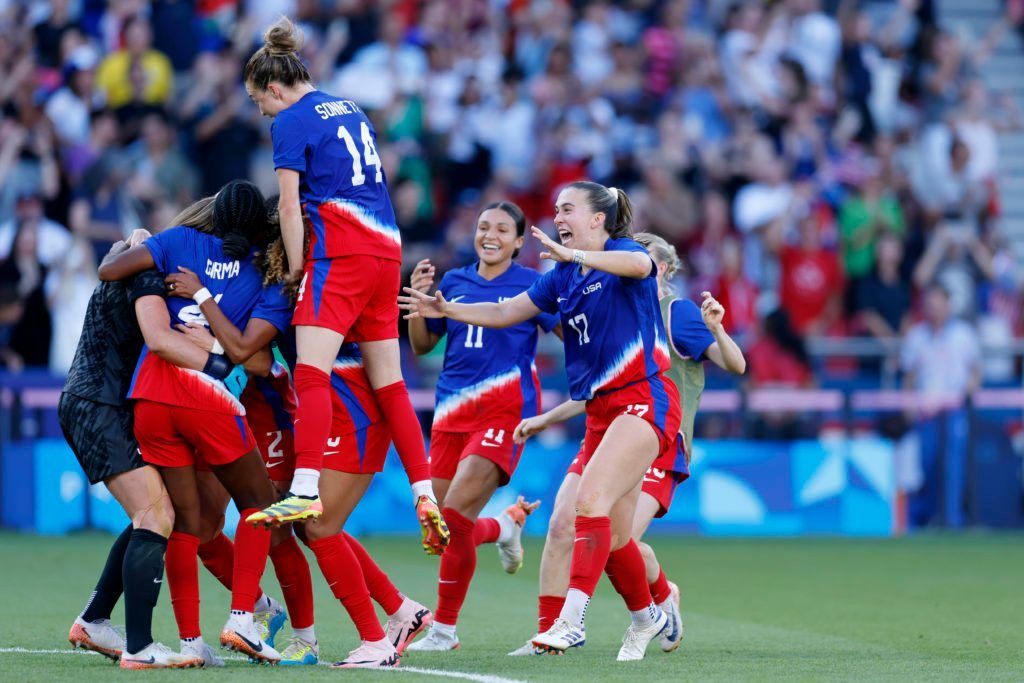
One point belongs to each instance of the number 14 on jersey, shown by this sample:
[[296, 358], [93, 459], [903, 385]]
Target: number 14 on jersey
[[369, 154]]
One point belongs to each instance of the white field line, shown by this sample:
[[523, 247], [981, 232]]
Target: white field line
[[479, 678]]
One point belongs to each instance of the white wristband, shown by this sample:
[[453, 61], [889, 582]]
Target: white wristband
[[579, 257], [423, 488], [217, 346], [201, 296]]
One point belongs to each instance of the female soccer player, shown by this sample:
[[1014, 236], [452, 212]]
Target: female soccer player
[[97, 423], [179, 414], [695, 334], [357, 446], [327, 164], [488, 383], [603, 287]]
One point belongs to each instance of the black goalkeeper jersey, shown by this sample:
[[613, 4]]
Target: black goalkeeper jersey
[[111, 341]]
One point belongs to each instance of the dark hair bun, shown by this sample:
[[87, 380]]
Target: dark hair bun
[[236, 246]]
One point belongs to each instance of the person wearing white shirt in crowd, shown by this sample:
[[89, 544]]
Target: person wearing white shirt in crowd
[[941, 360]]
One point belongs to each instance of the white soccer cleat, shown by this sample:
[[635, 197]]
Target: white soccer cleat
[[197, 648], [300, 653], [560, 637], [435, 641], [159, 656], [672, 637], [528, 649], [246, 640], [510, 551], [380, 655], [410, 621], [636, 640], [99, 636]]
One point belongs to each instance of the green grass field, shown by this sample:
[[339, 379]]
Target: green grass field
[[929, 607]]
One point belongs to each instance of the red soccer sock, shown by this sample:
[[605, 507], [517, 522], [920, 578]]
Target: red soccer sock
[[626, 571], [590, 552], [660, 590], [341, 569], [457, 566], [183, 581], [252, 545], [548, 609], [313, 410], [218, 556], [292, 572], [487, 530], [383, 592], [405, 430]]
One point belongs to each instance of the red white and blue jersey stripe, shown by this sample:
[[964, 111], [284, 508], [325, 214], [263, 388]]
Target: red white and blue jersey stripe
[[236, 286], [332, 145], [614, 334], [486, 371]]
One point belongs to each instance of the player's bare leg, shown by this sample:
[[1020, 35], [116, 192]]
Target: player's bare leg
[[664, 592]]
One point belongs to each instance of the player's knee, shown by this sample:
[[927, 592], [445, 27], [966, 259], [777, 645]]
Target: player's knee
[[158, 517], [210, 528], [647, 552], [561, 529], [592, 504]]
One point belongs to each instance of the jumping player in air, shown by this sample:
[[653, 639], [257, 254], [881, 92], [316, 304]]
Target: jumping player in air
[[356, 448], [695, 335], [97, 422], [487, 385], [328, 168], [182, 416], [604, 289]]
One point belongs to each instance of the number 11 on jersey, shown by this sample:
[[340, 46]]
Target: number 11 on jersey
[[479, 342]]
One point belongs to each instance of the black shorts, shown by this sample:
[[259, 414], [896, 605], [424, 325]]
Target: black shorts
[[100, 435]]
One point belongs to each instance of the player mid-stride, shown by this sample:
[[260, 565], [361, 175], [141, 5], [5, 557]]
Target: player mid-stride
[[604, 289], [327, 164], [487, 385]]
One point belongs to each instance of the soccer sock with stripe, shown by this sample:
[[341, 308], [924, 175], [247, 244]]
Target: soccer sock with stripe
[[405, 430], [383, 592], [548, 609], [108, 588], [183, 580], [627, 573], [143, 573], [589, 555], [457, 566], [252, 546], [292, 572], [345, 578], [312, 427]]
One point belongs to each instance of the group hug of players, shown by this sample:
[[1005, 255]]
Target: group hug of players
[[250, 354]]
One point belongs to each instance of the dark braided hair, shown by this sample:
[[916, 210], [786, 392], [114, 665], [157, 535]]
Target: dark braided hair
[[612, 202], [239, 217], [513, 210]]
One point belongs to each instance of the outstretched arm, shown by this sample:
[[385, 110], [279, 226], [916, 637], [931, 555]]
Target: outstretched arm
[[504, 314], [634, 264], [238, 345], [123, 261], [537, 424]]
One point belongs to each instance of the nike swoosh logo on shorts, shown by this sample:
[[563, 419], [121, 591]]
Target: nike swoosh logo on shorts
[[274, 464], [331, 452], [492, 445], [443, 581], [158, 580]]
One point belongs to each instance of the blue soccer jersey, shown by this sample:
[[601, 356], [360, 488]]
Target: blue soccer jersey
[[614, 334], [486, 371], [332, 145], [236, 286], [689, 335]]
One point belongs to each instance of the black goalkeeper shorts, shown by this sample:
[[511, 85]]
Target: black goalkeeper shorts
[[100, 435]]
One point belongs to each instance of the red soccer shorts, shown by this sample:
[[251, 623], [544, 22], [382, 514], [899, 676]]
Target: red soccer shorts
[[658, 484], [359, 452], [277, 448], [654, 400], [175, 436], [356, 296], [447, 449]]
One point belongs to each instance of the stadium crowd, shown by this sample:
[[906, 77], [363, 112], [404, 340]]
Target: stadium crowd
[[819, 168]]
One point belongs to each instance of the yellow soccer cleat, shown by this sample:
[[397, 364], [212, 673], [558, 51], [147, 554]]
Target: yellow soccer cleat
[[435, 531], [291, 509]]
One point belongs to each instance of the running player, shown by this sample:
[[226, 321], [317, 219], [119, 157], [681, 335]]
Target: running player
[[355, 450], [603, 287], [327, 165], [488, 384], [97, 422], [179, 415], [695, 335]]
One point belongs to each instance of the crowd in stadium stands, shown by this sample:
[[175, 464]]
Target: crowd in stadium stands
[[819, 168]]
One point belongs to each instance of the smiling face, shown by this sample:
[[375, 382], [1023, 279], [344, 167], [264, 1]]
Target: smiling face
[[496, 239], [578, 227]]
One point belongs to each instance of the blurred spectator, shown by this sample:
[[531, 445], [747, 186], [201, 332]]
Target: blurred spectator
[[882, 298], [49, 239], [735, 292], [68, 288], [958, 260], [22, 272], [136, 71], [864, 218], [812, 282], [70, 107], [941, 359], [160, 170]]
